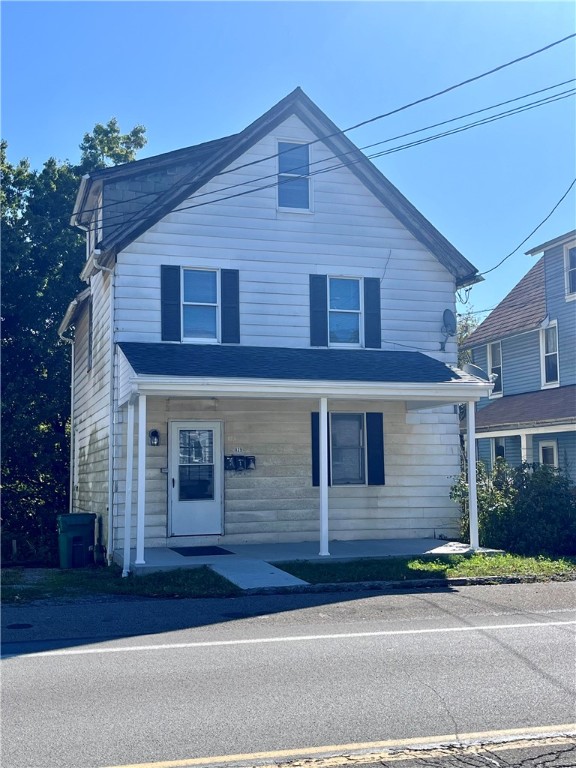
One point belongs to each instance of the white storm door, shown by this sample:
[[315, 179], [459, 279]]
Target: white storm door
[[195, 478]]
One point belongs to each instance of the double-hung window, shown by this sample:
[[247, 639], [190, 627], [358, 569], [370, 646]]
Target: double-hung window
[[348, 449], [570, 270], [548, 453], [495, 366], [293, 176], [549, 355], [498, 448], [344, 311], [200, 304]]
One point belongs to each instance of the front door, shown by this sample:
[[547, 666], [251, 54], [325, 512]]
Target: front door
[[195, 478]]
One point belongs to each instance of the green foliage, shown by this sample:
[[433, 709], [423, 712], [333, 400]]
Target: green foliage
[[529, 510], [42, 257]]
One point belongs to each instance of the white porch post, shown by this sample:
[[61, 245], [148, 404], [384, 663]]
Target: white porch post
[[323, 438], [472, 496], [141, 480], [128, 493], [526, 450]]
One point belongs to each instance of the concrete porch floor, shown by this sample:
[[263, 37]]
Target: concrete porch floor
[[249, 565]]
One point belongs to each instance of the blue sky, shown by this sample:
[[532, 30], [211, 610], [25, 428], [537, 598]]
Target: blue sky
[[194, 71]]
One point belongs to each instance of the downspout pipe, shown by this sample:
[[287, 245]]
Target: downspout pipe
[[70, 341]]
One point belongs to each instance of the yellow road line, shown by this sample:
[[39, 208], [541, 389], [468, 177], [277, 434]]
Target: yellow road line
[[284, 754]]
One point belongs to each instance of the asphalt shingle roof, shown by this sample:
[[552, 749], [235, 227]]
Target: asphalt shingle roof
[[221, 361], [523, 309], [531, 408]]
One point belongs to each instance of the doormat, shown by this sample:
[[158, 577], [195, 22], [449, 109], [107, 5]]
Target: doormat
[[200, 551]]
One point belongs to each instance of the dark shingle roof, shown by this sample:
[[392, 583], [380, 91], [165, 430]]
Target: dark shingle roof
[[546, 406], [523, 309], [214, 157], [220, 361]]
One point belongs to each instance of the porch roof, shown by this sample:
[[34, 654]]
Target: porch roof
[[545, 407]]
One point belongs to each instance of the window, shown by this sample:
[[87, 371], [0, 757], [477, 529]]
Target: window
[[498, 448], [495, 366], [293, 181], [549, 355], [548, 451], [200, 304], [570, 269], [347, 449], [344, 311]]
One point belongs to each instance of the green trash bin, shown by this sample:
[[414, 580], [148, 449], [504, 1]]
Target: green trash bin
[[76, 539]]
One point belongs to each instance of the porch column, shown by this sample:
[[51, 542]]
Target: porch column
[[128, 493], [141, 480], [526, 449], [472, 497], [323, 437]]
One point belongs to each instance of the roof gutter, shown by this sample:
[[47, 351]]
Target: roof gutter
[[80, 201]]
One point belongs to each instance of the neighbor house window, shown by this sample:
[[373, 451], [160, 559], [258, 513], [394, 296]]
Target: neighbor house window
[[548, 452], [495, 366], [344, 311], [570, 268], [549, 355], [293, 180], [200, 304], [347, 449], [498, 448]]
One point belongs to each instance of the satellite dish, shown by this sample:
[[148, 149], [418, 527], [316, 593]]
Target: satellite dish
[[474, 370], [449, 321]]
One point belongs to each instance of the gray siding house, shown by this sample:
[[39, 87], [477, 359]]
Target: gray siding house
[[260, 354], [529, 342]]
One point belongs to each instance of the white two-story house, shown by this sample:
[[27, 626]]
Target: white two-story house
[[528, 343], [262, 351]]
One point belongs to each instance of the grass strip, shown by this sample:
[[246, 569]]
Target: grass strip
[[431, 567], [52, 583]]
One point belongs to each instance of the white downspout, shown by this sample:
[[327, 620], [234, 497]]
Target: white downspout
[[72, 435], [128, 493], [472, 495], [323, 438]]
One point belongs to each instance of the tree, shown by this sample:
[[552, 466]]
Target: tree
[[42, 257], [467, 322]]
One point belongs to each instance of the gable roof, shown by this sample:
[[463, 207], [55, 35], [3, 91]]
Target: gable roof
[[203, 162], [551, 243], [523, 309]]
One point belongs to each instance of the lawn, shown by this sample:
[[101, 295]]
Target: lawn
[[21, 585], [433, 567]]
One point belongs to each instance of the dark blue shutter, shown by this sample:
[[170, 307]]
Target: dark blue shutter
[[315, 423], [372, 321], [230, 306], [318, 311], [375, 448], [170, 302]]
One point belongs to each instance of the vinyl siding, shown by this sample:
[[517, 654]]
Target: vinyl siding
[[566, 442], [563, 311], [277, 503], [348, 233]]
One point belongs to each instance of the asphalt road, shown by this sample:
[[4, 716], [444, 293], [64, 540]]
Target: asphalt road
[[118, 683]]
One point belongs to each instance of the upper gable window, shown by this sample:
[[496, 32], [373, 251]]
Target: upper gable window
[[549, 355], [570, 269], [200, 304], [293, 176], [344, 311], [495, 366]]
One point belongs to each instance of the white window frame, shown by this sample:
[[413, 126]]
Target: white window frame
[[359, 312], [489, 359], [364, 447], [548, 444], [287, 209], [570, 295], [200, 339], [543, 383], [493, 448]]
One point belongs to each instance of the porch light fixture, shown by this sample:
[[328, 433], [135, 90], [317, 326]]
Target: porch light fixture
[[154, 437]]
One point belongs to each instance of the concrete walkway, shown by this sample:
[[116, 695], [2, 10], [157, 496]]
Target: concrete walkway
[[249, 565]]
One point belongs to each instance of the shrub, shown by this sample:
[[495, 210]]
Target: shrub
[[527, 510]]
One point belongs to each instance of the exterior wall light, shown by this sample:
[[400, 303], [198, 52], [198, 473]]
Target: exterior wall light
[[154, 437]]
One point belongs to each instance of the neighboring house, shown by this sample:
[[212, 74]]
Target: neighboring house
[[262, 353], [529, 343]]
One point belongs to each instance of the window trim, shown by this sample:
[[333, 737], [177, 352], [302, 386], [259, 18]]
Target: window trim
[[359, 312], [201, 339], [364, 448], [489, 360], [284, 208], [548, 444], [569, 295], [543, 383]]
